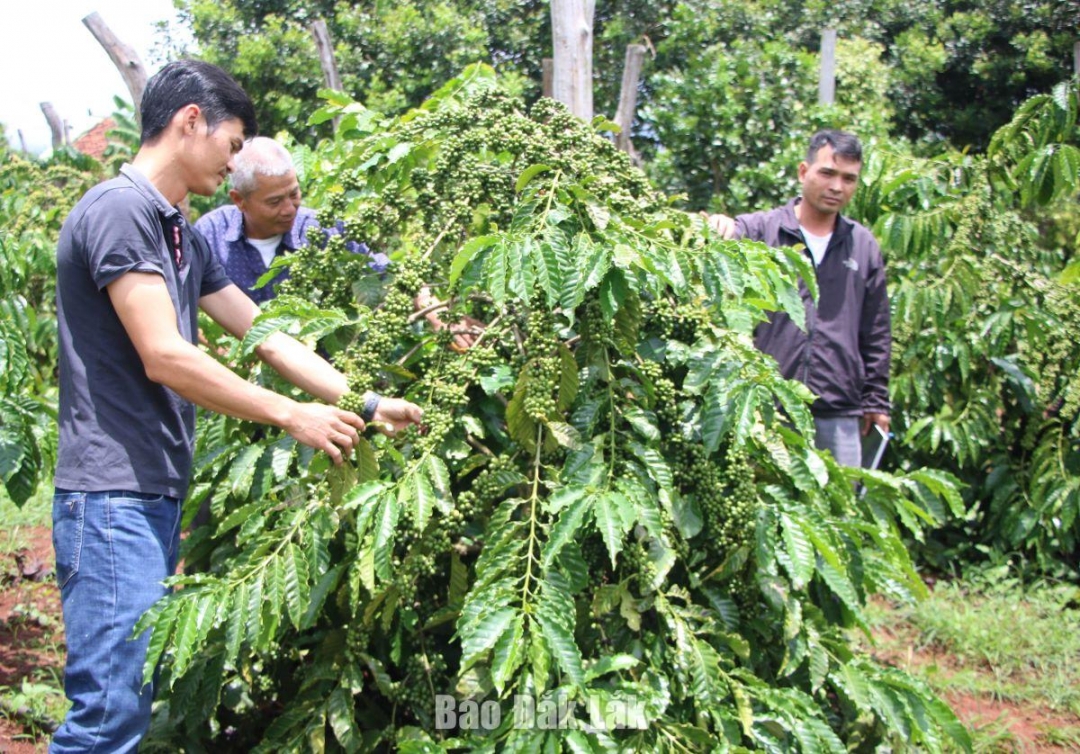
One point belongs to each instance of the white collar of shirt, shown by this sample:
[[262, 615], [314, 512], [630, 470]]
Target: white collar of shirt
[[816, 244], [267, 247]]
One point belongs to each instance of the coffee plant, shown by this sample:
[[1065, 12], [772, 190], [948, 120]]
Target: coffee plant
[[34, 199], [612, 516], [986, 324]]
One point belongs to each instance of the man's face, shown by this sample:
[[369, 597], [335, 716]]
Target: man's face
[[271, 208], [210, 154], [829, 182]]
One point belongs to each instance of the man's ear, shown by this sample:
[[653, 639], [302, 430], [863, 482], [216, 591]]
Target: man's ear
[[804, 167], [187, 118], [237, 198]]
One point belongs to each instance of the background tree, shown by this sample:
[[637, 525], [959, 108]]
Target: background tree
[[392, 55]]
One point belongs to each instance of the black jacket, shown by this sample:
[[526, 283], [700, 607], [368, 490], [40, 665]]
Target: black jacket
[[843, 356]]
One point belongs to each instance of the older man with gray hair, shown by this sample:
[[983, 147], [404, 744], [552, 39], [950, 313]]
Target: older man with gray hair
[[265, 219]]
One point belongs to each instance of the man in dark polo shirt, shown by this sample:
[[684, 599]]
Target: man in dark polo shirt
[[265, 219], [130, 278]]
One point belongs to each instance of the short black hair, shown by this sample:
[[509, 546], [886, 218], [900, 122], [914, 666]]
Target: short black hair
[[843, 144], [186, 82]]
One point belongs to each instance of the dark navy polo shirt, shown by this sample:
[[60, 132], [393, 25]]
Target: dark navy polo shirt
[[119, 430]]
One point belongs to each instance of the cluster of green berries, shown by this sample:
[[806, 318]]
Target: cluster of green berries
[[727, 496], [638, 565], [418, 564], [489, 487], [665, 396], [683, 322], [543, 369], [422, 672], [595, 325]]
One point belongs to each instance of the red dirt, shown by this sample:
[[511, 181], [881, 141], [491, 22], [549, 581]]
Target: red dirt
[[1026, 725], [30, 621]]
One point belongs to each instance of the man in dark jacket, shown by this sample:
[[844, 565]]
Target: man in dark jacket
[[843, 356]]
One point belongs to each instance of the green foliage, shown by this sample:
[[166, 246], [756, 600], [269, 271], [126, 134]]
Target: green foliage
[[34, 199], [393, 55], [123, 137], [732, 111], [605, 506], [987, 327]]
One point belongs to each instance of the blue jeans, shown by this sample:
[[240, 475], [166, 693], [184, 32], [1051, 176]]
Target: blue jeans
[[843, 436], [113, 551]]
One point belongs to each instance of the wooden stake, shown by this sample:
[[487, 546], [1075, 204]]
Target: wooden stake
[[572, 35], [624, 116], [827, 82], [547, 75], [55, 124], [125, 59], [326, 55]]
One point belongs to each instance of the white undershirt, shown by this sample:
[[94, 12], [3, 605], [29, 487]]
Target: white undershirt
[[816, 245], [267, 247]]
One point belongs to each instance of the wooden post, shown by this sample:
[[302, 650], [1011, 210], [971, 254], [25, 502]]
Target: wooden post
[[123, 57], [624, 116], [55, 124], [1076, 59], [326, 59], [572, 35], [547, 74], [827, 82], [326, 55]]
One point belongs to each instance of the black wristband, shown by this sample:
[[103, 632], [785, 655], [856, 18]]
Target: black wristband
[[371, 405]]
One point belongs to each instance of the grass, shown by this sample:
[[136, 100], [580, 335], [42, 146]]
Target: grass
[[992, 637], [37, 511]]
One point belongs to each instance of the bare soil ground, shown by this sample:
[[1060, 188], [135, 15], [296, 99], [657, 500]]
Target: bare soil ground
[[31, 636], [1004, 725]]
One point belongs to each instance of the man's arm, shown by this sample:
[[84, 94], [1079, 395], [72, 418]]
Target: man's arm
[[294, 361], [297, 363], [142, 302]]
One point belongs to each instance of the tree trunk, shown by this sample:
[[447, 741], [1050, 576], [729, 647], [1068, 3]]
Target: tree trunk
[[325, 47], [571, 32], [123, 57], [624, 116], [55, 124], [827, 82], [22, 142], [1076, 59], [547, 74], [326, 55]]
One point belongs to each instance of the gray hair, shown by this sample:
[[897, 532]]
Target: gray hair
[[260, 156]]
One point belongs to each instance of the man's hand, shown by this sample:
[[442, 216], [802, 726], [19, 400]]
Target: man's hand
[[465, 332], [872, 417], [325, 428], [394, 414], [722, 225]]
